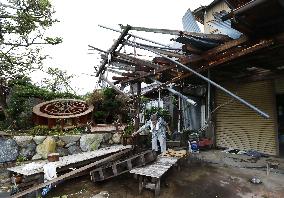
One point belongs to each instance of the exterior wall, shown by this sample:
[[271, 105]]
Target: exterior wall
[[239, 127], [209, 16]]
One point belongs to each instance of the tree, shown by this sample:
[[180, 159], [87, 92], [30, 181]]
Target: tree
[[58, 80], [22, 27]]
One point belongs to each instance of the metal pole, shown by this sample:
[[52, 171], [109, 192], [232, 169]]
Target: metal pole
[[208, 99], [192, 102], [179, 112], [211, 82]]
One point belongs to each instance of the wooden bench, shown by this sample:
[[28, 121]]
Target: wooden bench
[[154, 173]]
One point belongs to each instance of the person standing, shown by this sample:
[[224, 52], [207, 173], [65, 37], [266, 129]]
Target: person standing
[[158, 130]]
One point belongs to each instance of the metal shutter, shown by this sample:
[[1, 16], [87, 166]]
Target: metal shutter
[[241, 128]]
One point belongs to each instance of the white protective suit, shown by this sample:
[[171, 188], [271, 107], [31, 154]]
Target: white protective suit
[[158, 133]]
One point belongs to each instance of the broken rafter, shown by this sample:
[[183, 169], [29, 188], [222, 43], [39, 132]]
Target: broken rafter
[[113, 48], [165, 52], [217, 56], [242, 52], [226, 46], [179, 33], [137, 61], [119, 78], [152, 73]]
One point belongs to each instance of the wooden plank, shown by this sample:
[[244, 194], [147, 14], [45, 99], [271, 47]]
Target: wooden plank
[[68, 175], [157, 169]]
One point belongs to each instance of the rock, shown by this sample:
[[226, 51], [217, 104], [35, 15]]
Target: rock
[[69, 138], [60, 143], [70, 144], [37, 157], [39, 139], [23, 140], [4, 175], [116, 138], [47, 146], [110, 141], [62, 151], [102, 194], [107, 137], [90, 142], [9, 150], [74, 149], [28, 150]]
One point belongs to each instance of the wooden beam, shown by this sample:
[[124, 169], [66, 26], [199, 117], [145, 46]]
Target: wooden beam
[[138, 61], [119, 78], [152, 73], [191, 49], [250, 49], [113, 48], [226, 46]]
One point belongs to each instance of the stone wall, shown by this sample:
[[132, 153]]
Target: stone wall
[[19, 148]]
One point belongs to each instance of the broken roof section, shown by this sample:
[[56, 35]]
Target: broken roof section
[[225, 57]]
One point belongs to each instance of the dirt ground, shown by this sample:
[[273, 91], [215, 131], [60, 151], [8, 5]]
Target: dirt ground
[[196, 179]]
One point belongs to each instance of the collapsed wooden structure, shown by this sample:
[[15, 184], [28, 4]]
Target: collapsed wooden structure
[[204, 59], [122, 166], [32, 176]]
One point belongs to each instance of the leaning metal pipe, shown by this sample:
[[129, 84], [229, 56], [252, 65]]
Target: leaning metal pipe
[[211, 82], [192, 102]]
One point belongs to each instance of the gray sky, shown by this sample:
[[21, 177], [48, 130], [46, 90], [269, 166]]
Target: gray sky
[[78, 27]]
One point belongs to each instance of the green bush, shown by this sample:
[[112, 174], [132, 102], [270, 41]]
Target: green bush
[[165, 114], [40, 130], [129, 129], [44, 130], [108, 105]]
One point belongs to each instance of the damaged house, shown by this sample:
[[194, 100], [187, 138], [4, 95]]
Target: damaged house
[[256, 77], [234, 70]]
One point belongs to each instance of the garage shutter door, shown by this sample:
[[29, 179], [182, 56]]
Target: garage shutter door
[[238, 126]]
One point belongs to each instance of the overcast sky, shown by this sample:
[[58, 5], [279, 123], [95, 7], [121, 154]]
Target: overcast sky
[[78, 27]]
